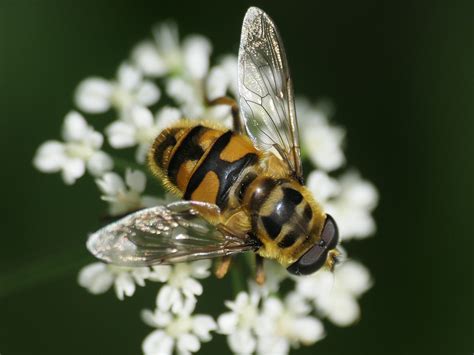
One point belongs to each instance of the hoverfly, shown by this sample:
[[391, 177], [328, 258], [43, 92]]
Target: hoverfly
[[242, 189]]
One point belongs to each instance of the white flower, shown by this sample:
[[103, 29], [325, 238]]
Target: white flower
[[350, 200], [322, 186], [192, 96], [335, 295], [189, 81], [239, 324], [228, 64], [320, 140], [125, 196], [319, 111], [99, 277], [353, 206], [165, 55], [183, 331], [140, 128], [97, 95], [80, 150], [182, 285], [281, 325], [323, 143]]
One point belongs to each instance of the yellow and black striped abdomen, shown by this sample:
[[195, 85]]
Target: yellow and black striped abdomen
[[201, 163]]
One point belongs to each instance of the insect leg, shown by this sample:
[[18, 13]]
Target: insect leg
[[222, 267], [259, 272], [224, 100]]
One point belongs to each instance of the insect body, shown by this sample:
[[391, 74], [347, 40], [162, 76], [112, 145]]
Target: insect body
[[242, 190]]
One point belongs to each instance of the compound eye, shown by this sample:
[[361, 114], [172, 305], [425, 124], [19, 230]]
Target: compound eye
[[330, 233], [316, 257]]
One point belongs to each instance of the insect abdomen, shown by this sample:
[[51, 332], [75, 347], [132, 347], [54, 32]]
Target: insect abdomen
[[201, 163]]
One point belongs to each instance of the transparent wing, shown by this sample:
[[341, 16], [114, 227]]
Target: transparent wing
[[165, 235], [266, 91]]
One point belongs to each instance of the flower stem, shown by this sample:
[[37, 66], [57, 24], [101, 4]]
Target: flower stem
[[237, 283]]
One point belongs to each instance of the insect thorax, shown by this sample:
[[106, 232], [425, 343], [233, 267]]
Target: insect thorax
[[284, 217]]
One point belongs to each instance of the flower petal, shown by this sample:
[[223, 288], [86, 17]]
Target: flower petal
[[241, 301], [75, 127], [200, 268], [187, 306], [99, 163], [73, 169], [136, 180], [147, 93], [162, 319], [354, 277], [124, 285], [317, 286], [49, 157], [297, 303], [343, 310], [308, 330], [229, 65], [272, 307], [180, 90], [188, 343], [352, 221], [167, 296], [121, 134], [203, 325], [322, 186], [93, 138], [140, 274], [148, 317], [216, 83], [141, 117], [191, 287], [197, 50], [147, 58], [227, 322], [167, 38], [160, 273], [128, 76], [359, 192], [93, 95], [96, 278], [242, 342], [324, 145], [141, 152], [273, 345], [166, 117], [111, 184], [158, 343]]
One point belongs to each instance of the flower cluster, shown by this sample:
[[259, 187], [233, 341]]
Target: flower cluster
[[261, 319], [268, 325], [80, 149], [182, 330]]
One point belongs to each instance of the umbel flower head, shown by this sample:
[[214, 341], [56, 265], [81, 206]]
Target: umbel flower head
[[263, 319], [80, 150]]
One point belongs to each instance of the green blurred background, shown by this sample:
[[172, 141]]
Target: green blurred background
[[401, 77]]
